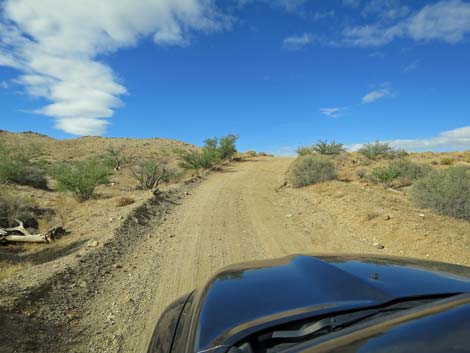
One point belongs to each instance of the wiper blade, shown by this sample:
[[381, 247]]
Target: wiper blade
[[329, 323]]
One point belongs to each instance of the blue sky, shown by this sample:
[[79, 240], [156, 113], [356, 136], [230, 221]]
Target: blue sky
[[280, 73]]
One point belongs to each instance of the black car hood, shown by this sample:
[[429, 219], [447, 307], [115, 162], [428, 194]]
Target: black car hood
[[256, 295]]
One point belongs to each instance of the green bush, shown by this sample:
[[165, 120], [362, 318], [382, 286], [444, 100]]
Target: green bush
[[204, 159], [81, 177], [17, 167], [328, 148], [151, 173], [213, 152], [400, 169], [445, 191], [227, 146], [377, 150], [311, 170], [304, 150]]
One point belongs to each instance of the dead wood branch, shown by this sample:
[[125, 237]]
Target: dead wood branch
[[11, 234]]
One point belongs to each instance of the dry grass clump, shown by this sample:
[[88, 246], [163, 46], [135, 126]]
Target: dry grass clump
[[14, 207], [447, 161], [125, 201], [250, 153], [311, 169]]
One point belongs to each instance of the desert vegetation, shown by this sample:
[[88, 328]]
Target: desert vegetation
[[401, 170], [309, 170], [435, 183], [19, 165], [215, 151], [322, 147], [445, 191]]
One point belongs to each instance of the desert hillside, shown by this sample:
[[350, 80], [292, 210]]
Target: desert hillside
[[125, 253]]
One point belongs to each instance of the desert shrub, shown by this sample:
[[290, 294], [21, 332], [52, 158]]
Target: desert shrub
[[204, 159], [125, 201], [304, 150], [151, 172], [377, 150], [400, 168], [226, 147], [447, 161], [445, 191], [328, 148], [311, 170], [401, 153], [214, 151], [251, 153], [81, 177], [361, 173], [15, 207], [17, 167]]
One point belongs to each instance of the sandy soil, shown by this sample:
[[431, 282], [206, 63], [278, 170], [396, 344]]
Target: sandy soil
[[111, 301]]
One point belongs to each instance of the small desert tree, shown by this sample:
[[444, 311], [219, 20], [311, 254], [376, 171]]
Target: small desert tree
[[227, 146], [377, 150], [328, 148], [81, 177], [213, 152], [151, 172], [116, 154]]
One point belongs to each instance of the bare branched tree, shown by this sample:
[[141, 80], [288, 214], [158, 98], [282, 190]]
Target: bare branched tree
[[151, 172], [117, 155]]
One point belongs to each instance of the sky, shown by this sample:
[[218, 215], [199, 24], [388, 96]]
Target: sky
[[280, 73]]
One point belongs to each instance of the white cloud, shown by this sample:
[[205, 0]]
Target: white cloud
[[458, 139], [382, 92], [332, 112], [298, 42], [448, 21], [452, 140], [55, 45]]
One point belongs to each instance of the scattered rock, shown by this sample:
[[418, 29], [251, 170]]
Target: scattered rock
[[92, 244], [379, 246], [387, 217], [288, 215], [421, 215]]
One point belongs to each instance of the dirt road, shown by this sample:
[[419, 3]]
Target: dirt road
[[241, 213]]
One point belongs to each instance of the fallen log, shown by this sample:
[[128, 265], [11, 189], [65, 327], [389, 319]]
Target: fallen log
[[11, 234]]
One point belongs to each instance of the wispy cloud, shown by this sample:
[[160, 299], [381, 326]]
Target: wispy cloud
[[452, 140], [446, 20], [382, 92], [288, 5], [351, 3], [333, 112], [56, 48], [298, 42], [411, 67]]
